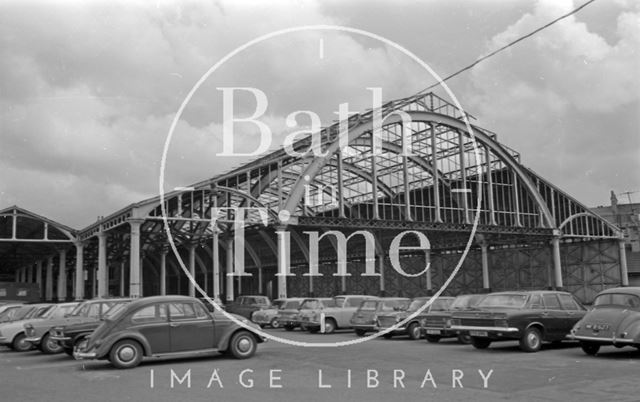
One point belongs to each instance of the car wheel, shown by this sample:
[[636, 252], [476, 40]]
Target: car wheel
[[531, 340], [48, 346], [125, 354], [433, 338], [329, 326], [360, 332], [414, 331], [20, 344], [275, 323], [480, 343], [243, 345], [590, 348], [464, 339], [289, 327]]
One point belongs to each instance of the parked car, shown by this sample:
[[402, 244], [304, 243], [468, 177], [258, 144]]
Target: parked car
[[530, 317], [437, 323], [411, 328], [83, 321], [271, 316], [167, 326], [292, 318], [365, 317], [12, 332], [246, 305], [614, 320], [337, 316], [38, 330]]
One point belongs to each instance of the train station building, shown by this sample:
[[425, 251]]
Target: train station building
[[382, 203]]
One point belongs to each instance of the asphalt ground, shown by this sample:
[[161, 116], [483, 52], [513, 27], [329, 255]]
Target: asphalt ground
[[377, 370]]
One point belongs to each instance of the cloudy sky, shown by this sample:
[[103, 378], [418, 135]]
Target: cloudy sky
[[88, 90]]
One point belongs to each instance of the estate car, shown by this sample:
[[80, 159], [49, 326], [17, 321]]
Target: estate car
[[614, 320], [167, 326], [336, 317], [271, 316], [530, 317]]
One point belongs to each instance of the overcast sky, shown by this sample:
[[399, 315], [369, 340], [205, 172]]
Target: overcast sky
[[88, 90]]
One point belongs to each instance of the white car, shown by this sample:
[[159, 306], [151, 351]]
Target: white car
[[12, 333]]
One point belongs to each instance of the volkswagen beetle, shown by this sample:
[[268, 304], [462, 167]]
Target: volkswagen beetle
[[167, 326]]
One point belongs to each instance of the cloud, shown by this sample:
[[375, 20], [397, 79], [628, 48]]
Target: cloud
[[566, 99]]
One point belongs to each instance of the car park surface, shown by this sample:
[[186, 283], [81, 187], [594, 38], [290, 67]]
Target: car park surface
[[557, 373]]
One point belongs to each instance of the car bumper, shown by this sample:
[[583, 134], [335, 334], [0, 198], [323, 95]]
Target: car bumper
[[84, 355], [607, 341], [60, 338], [439, 331], [395, 331], [491, 330], [34, 340], [367, 327]]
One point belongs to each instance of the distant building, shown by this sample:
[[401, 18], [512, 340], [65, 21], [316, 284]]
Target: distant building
[[627, 218]]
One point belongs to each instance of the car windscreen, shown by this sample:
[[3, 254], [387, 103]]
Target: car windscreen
[[503, 300], [42, 312], [440, 305], [339, 301], [395, 305], [277, 304], [617, 299], [15, 313], [61, 311], [114, 311], [466, 301], [369, 305], [416, 304], [290, 305], [310, 304], [77, 309]]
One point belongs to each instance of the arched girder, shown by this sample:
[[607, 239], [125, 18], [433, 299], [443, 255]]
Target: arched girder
[[354, 133], [606, 223], [396, 149], [350, 167]]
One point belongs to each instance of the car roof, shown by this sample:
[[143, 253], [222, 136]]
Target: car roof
[[369, 296], [528, 292], [159, 299], [627, 289]]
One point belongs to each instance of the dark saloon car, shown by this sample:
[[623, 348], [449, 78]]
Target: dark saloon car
[[167, 326], [437, 323], [411, 328], [84, 320], [365, 318], [530, 317], [614, 320], [247, 305]]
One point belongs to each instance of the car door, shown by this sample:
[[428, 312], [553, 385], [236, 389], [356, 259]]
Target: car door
[[151, 322], [553, 317], [191, 327]]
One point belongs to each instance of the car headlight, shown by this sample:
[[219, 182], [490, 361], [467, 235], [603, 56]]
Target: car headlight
[[447, 323], [501, 323]]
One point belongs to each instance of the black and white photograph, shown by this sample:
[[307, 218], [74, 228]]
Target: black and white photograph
[[319, 200]]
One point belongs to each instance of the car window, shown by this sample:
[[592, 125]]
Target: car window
[[248, 300], [263, 301], [618, 299], [394, 305], [310, 305], [535, 302], [416, 304], [93, 310], [354, 301], [149, 314], [503, 300], [181, 311], [551, 302], [200, 311], [568, 303]]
